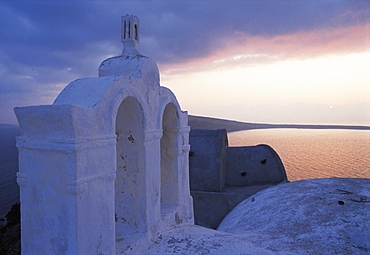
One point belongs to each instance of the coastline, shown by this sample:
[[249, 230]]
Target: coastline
[[201, 122]]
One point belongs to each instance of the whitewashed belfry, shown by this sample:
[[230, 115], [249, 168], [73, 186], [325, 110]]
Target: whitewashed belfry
[[130, 31], [105, 167]]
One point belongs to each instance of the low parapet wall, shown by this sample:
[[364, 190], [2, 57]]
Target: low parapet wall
[[253, 165], [221, 176], [207, 159]]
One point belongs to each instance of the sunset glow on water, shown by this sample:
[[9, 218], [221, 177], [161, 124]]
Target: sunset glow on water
[[311, 153]]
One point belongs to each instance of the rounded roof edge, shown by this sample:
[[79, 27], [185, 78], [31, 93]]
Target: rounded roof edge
[[87, 93]]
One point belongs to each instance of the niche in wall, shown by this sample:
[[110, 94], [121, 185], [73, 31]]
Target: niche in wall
[[130, 183], [169, 159]]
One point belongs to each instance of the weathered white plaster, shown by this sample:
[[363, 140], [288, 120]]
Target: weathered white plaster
[[222, 176], [207, 159], [253, 165], [195, 240], [320, 216], [105, 167]]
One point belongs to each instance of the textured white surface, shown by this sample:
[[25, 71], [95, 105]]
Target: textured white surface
[[195, 240], [105, 167], [319, 216]]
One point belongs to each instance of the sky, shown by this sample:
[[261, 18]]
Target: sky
[[275, 61]]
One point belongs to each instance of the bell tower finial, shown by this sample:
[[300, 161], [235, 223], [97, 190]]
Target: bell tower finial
[[130, 62], [130, 34]]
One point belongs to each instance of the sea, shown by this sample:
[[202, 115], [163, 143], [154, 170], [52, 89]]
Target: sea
[[9, 189], [305, 153], [314, 153]]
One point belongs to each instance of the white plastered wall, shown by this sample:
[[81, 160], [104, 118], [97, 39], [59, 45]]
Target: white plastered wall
[[97, 166]]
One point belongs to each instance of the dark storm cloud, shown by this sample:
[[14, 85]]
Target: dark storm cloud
[[184, 31], [44, 43], [178, 30]]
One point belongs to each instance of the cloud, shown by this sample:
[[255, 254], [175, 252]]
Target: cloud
[[44, 44], [185, 35], [298, 113], [245, 50]]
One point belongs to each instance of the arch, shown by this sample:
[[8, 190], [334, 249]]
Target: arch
[[114, 105], [130, 183], [169, 158], [167, 98]]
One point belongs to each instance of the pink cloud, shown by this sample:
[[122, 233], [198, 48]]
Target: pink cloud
[[245, 50]]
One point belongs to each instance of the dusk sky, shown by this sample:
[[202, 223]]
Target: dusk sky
[[253, 61]]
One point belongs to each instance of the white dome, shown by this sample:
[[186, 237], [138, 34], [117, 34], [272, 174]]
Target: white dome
[[321, 216]]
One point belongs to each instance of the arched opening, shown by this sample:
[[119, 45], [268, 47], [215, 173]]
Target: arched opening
[[130, 191], [136, 32], [169, 159]]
